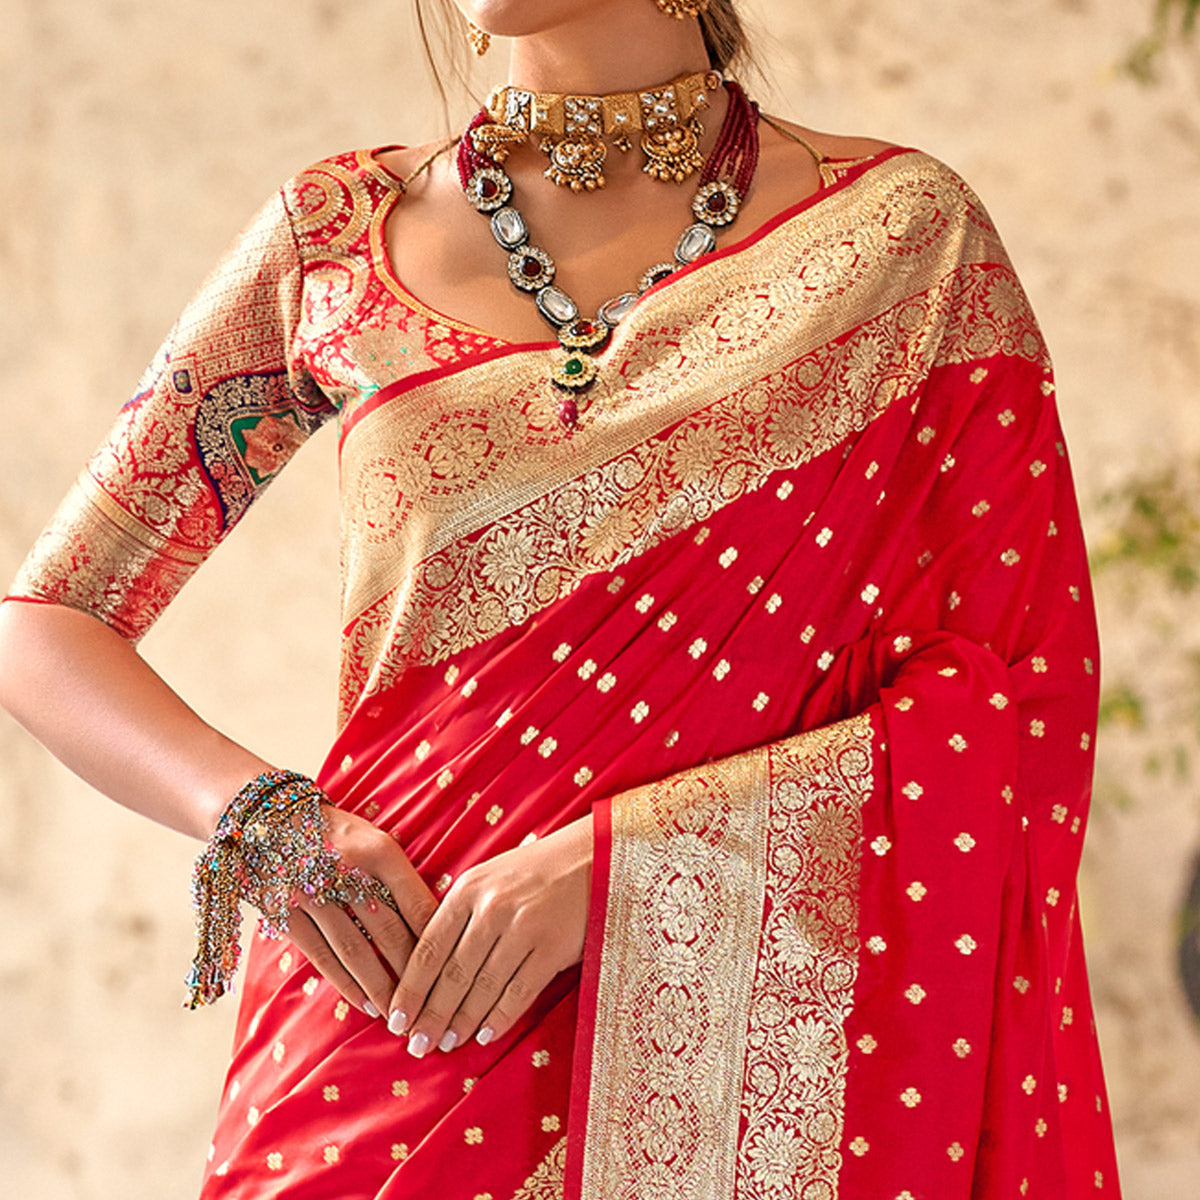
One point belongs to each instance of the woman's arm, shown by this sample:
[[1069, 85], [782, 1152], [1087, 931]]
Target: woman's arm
[[97, 705], [84, 692], [168, 483]]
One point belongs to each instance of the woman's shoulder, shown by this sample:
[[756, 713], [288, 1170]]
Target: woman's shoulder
[[405, 162], [833, 146], [914, 176], [334, 200], [843, 153], [875, 181]]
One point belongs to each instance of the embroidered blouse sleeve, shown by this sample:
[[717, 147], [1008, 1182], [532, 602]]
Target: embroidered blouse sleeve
[[223, 406]]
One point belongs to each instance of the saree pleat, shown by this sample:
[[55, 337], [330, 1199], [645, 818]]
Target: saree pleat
[[800, 616]]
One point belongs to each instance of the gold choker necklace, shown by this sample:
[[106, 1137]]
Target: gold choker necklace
[[572, 129]]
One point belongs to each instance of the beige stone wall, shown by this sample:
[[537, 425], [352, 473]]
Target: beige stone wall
[[137, 136]]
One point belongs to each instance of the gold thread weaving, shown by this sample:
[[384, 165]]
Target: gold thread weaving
[[795, 1071], [728, 970], [745, 356], [685, 903], [546, 1182]]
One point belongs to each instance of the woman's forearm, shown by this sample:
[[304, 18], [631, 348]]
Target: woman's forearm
[[98, 706]]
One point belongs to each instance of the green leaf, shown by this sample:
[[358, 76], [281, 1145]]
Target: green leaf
[[1122, 705], [1173, 20]]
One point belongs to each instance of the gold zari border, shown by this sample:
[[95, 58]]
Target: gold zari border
[[118, 569], [467, 509], [93, 497], [727, 972]]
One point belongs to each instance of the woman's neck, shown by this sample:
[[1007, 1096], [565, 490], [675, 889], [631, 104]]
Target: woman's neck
[[621, 46]]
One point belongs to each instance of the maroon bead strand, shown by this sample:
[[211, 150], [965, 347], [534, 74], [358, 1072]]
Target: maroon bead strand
[[469, 159], [735, 155]]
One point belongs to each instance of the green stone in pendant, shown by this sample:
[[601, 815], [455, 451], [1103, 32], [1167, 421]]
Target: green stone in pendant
[[574, 372]]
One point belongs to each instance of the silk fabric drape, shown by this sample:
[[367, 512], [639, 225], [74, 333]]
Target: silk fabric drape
[[801, 615]]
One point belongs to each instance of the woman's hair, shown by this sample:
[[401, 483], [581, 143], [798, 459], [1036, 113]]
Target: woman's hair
[[443, 35], [724, 34]]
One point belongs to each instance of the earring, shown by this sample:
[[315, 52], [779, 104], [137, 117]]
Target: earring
[[479, 40], [683, 8]]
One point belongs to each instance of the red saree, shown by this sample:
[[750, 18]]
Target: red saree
[[801, 615]]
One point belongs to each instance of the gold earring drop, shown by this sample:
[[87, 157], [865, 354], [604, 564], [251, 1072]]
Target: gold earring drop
[[480, 41], [683, 8]]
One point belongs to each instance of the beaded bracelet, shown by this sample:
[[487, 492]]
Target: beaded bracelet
[[269, 848]]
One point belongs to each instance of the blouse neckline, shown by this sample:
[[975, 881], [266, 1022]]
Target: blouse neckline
[[848, 170]]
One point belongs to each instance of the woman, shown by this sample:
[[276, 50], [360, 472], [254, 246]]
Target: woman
[[718, 685]]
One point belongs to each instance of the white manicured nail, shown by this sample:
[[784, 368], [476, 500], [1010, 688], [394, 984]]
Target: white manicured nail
[[449, 1040], [418, 1044], [370, 1009], [397, 1022], [485, 1035]]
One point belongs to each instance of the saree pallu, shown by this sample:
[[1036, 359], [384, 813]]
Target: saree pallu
[[801, 616]]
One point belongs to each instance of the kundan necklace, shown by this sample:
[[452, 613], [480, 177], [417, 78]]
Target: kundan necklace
[[572, 129], [724, 183]]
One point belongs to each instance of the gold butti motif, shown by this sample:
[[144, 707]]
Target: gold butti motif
[[709, 1050], [463, 519]]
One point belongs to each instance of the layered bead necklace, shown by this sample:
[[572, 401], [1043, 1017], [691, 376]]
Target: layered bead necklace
[[666, 115]]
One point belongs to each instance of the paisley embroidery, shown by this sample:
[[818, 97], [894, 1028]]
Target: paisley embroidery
[[247, 427]]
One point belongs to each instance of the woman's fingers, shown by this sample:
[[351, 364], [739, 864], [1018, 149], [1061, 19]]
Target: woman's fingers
[[468, 986], [344, 943], [392, 930], [504, 930], [480, 958], [391, 936], [478, 1008], [355, 948], [479, 987], [414, 901], [526, 984], [428, 960], [367, 847], [310, 941]]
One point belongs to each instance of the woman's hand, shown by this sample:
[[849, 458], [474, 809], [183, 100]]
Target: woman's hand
[[336, 945], [502, 933]]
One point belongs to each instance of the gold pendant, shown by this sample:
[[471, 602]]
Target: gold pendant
[[574, 163], [673, 153], [574, 373]]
